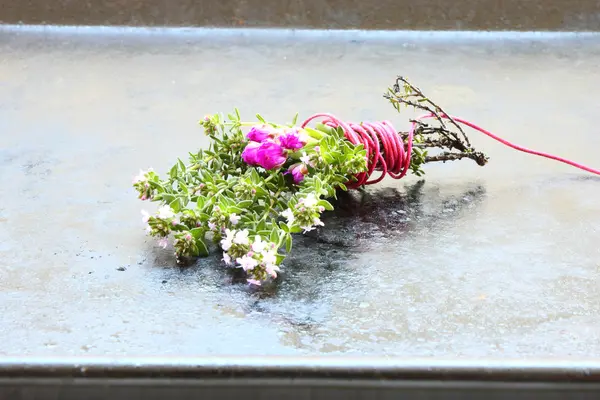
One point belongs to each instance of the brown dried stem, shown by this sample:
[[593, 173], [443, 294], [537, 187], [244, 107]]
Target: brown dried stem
[[455, 146]]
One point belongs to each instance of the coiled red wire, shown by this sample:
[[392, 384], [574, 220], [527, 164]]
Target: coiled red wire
[[386, 152]]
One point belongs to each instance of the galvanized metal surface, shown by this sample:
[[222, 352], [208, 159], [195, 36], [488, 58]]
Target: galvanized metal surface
[[271, 378], [500, 262], [478, 15]]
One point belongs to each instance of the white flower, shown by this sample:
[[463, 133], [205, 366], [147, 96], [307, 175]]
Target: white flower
[[241, 237], [307, 228], [253, 282], [226, 242], [145, 216], [148, 229], [163, 242], [269, 257], [212, 226], [234, 218], [226, 258], [316, 222], [247, 263], [165, 212], [305, 159], [310, 200], [289, 215], [258, 245], [141, 177], [272, 270]]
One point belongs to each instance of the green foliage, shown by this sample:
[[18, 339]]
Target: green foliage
[[250, 212]]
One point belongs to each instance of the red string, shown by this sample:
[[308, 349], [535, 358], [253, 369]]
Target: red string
[[387, 153]]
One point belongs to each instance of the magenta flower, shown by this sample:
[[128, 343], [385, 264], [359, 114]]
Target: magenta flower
[[298, 171], [270, 155], [291, 140], [249, 155], [259, 133]]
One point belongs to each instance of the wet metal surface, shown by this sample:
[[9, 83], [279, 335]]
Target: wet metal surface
[[501, 261], [480, 15]]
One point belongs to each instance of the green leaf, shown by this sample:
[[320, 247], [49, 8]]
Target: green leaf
[[181, 165], [318, 186], [175, 205], [202, 249], [295, 229], [173, 171], [324, 128], [326, 204], [203, 217], [197, 233], [254, 176], [244, 204], [288, 243], [261, 226], [263, 233], [284, 227], [156, 185], [274, 237], [260, 118], [182, 186], [237, 113], [168, 198], [313, 133], [295, 120]]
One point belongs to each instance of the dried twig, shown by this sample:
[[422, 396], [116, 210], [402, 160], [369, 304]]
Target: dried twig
[[455, 146]]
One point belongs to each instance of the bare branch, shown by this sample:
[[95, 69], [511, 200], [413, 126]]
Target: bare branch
[[454, 146]]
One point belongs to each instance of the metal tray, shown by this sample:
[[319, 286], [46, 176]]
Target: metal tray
[[457, 276]]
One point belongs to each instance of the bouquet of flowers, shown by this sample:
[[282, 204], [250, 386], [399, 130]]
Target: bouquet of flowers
[[260, 182]]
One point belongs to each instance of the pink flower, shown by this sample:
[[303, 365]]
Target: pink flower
[[247, 262], [298, 171], [267, 154], [253, 282], [291, 140], [249, 155], [163, 242], [259, 133], [270, 155]]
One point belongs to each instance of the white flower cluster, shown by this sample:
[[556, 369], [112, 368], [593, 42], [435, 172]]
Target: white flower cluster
[[258, 257], [140, 182], [160, 224], [219, 220], [306, 213]]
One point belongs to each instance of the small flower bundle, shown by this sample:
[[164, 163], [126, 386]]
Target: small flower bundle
[[257, 184], [260, 182]]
